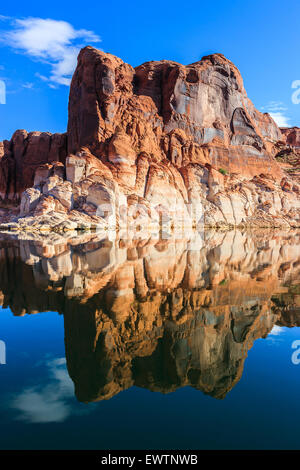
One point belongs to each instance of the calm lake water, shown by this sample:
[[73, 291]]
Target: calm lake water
[[187, 343]]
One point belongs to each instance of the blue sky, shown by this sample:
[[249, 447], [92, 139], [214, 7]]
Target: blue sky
[[37, 56]]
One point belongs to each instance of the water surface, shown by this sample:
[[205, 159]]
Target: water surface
[[117, 343]]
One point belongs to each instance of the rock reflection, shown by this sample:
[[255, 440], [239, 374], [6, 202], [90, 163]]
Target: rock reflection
[[159, 314]]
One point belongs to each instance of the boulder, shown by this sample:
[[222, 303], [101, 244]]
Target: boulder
[[29, 200]]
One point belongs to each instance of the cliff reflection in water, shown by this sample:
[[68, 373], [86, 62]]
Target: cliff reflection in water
[[158, 314]]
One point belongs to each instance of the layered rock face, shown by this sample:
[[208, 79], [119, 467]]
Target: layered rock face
[[169, 111], [159, 314], [22, 155], [161, 144]]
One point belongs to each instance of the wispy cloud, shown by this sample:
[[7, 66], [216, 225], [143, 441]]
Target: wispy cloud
[[41, 77], [49, 41], [28, 85], [275, 106], [277, 111]]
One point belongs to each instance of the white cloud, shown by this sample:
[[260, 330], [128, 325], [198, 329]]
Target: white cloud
[[28, 85], [275, 106], [41, 77], [277, 111], [275, 337], [53, 42], [276, 330], [49, 403], [280, 119]]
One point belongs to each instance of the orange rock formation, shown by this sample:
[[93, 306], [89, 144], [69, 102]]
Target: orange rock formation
[[160, 144]]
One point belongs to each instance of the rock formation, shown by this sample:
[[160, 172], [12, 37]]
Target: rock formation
[[292, 136], [161, 144], [23, 155], [159, 314]]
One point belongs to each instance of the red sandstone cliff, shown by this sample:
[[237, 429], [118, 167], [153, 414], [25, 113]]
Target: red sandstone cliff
[[22, 155], [161, 143], [292, 136]]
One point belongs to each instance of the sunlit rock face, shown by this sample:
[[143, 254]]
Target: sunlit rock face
[[185, 139], [159, 144], [158, 313], [183, 106]]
